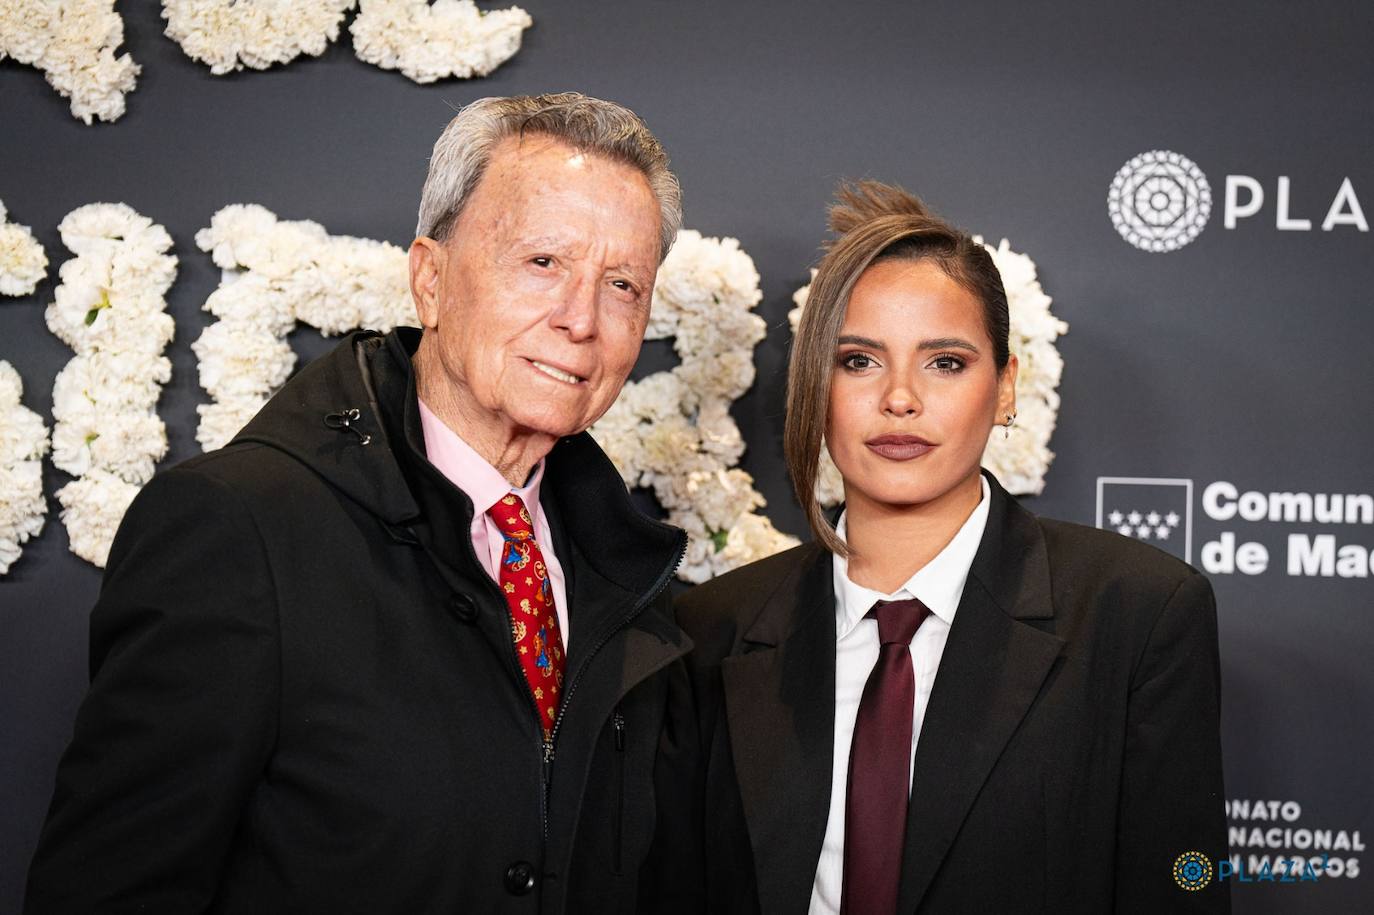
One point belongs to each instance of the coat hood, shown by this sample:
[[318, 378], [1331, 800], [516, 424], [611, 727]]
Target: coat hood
[[349, 414]]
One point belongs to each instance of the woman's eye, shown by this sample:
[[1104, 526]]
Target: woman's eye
[[857, 361], [947, 364]]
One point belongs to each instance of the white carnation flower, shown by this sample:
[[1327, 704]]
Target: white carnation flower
[[431, 41], [238, 361], [23, 442], [92, 508], [221, 421], [23, 262], [229, 35], [73, 42]]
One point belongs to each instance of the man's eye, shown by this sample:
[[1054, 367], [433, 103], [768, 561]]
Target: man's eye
[[623, 285], [542, 261]]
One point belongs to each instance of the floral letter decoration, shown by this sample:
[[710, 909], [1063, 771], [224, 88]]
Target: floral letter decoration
[[23, 442], [275, 274], [672, 432], [428, 41], [110, 309], [73, 42], [1020, 456], [232, 34], [23, 262]]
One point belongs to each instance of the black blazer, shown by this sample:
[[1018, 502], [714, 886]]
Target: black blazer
[[1069, 754]]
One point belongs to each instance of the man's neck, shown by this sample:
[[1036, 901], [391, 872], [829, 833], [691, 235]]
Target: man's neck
[[513, 451]]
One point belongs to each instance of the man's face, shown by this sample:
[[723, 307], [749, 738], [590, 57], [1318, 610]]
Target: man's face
[[538, 300]]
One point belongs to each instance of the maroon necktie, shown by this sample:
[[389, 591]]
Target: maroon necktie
[[880, 767], [533, 616]]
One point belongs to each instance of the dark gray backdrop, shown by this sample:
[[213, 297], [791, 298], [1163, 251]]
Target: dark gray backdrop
[[1242, 357]]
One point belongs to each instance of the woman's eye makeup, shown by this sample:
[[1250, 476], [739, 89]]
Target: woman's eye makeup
[[947, 364], [857, 361]]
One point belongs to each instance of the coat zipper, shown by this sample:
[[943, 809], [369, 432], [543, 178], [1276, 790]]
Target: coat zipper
[[572, 686], [618, 722]]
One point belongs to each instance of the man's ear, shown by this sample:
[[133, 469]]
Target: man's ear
[[426, 266]]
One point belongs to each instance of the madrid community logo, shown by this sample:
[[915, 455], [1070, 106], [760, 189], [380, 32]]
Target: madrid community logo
[[1156, 510], [1159, 201], [1192, 871]]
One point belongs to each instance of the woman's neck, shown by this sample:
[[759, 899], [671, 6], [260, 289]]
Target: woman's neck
[[890, 543]]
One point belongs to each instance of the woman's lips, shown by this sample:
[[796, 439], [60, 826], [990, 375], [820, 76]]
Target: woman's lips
[[899, 447]]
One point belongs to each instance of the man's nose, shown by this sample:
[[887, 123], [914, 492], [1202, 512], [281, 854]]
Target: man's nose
[[575, 312]]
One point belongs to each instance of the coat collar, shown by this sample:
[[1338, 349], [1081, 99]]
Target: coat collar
[[780, 704], [377, 460]]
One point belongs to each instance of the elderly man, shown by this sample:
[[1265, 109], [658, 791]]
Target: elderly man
[[403, 645]]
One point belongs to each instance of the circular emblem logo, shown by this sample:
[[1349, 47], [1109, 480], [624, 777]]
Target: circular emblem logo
[[1192, 870], [1159, 201]]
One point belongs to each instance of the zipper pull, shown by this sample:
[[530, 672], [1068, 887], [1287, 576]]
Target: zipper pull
[[548, 752], [618, 722]]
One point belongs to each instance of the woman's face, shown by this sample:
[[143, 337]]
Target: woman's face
[[915, 389]]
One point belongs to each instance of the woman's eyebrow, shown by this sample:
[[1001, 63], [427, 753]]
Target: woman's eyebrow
[[947, 343], [860, 341]]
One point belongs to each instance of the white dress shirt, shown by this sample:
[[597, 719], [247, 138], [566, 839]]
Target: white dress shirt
[[485, 486], [939, 584]]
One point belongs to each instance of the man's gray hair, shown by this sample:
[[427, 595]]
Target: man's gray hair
[[587, 124]]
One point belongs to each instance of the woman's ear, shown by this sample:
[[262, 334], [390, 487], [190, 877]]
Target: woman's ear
[[1006, 391]]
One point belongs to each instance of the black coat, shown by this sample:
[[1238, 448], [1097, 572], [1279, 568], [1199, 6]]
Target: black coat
[[305, 697], [1070, 751]]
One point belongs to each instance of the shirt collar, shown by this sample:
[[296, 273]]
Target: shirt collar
[[939, 584], [469, 471]]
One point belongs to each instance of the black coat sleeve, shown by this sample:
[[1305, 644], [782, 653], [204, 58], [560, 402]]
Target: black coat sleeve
[[181, 712], [1171, 789]]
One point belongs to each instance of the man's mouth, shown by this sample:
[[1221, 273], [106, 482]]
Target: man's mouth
[[554, 372]]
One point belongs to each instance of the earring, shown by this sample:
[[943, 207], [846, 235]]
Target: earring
[[1011, 421]]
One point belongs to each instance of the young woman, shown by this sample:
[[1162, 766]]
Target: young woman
[[944, 703]]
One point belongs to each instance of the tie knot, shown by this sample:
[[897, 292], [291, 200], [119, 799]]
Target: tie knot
[[512, 518], [898, 620]]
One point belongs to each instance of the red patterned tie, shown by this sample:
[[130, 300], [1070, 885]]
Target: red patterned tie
[[880, 767], [533, 617]]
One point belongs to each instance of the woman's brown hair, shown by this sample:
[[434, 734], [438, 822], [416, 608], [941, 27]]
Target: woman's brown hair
[[873, 222]]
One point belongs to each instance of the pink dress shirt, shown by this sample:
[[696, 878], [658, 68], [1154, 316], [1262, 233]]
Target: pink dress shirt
[[484, 485]]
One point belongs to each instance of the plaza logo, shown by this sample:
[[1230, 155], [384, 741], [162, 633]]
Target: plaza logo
[[1159, 511], [1160, 201]]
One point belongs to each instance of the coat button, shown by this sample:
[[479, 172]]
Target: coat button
[[462, 607], [520, 878]]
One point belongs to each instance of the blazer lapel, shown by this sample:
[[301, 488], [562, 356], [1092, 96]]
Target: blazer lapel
[[990, 673], [780, 707]]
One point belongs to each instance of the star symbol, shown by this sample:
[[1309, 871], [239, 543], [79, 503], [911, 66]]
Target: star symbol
[[1171, 519], [1152, 519], [1162, 532], [510, 587], [1134, 518], [538, 693], [1124, 530], [1115, 519], [524, 650], [1143, 531], [528, 580]]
